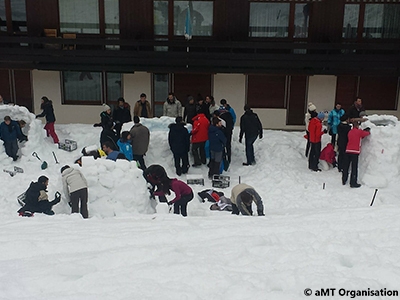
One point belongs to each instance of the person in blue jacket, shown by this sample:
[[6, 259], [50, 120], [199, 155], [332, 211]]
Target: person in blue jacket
[[217, 141], [10, 131], [225, 105], [125, 146], [112, 154], [334, 120]]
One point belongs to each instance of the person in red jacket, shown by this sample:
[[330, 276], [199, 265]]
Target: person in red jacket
[[353, 150], [328, 154], [315, 134], [199, 138]]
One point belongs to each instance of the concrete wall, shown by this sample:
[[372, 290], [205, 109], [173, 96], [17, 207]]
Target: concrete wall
[[322, 91], [134, 85]]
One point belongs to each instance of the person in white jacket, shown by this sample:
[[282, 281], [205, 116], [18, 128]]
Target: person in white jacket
[[75, 189]]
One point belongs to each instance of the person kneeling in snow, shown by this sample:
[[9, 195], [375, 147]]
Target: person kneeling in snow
[[183, 194], [37, 200], [327, 157], [242, 197], [75, 189]]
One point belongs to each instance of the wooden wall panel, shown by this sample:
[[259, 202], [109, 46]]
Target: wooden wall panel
[[23, 88], [231, 20], [5, 87], [378, 93], [297, 100], [41, 14], [266, 91], [136, 19], [191, 84], [346, 90]]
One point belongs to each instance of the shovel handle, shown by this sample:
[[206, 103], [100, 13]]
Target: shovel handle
[[34, 154]]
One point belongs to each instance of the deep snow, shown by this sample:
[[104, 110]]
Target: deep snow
[[311, 237]]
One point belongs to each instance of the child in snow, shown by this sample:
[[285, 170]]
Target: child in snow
[[37, 200], [307, 117], [223, 204], [155, 175], [343, 130], [242, 197], [75, 189], [315, 133], [125, 146], [334, 120], [328, 157], [183, 194], [48, 112]]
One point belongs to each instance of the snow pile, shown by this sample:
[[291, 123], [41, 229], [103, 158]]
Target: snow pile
[[379, 159]]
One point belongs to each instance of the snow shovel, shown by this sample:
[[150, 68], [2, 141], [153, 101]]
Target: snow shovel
[[55, 157], [44, 163]]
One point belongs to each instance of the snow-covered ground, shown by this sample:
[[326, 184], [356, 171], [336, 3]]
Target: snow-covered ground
[[316, 234]]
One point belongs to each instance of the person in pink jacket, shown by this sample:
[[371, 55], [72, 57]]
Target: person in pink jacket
[[183, 194], [353, 150]]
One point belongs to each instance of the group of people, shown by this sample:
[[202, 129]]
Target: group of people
[[344, 129]]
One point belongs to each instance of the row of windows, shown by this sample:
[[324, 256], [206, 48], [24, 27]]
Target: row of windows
[[267, 19]]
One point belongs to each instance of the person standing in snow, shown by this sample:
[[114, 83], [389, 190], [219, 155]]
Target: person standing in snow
[[242, 197], [37, 200], [142, 107], [353, 150], [333, 122], [251, 128], [310, 108], [190, 110], [107, 123], [75, 189], [199, 138], [217, 144], [212, 106], [121, 115], [125, 145], [179, 143], [172, 107], [343, 130], [357, 111], [315, 132], [183, 194], [140, 138], [48, 112], [226, 106], [10, 131]]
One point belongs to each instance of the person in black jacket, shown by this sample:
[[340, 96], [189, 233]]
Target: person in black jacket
[[250, 126], [121, 115], [107, 123], [37, 200], [356, 111], [343, 130], [190, 110], [227, 129], [179, 142], [48, 112]]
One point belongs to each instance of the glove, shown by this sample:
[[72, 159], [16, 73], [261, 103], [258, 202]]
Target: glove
[[260, 136]]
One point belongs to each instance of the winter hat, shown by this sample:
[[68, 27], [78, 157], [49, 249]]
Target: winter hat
[[311, 106], [143, 95], [42, 179], [321, 115], [136, 119], [106, 107], [64, 168]]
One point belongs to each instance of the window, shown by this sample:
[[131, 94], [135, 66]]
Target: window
[[350, 21], [111, 9], [18, 16], [79, 16], [90, 87], [269, 19], [201, 14], [378, 21], [161, 88]]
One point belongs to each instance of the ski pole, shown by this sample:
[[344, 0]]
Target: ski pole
[[373, 198]]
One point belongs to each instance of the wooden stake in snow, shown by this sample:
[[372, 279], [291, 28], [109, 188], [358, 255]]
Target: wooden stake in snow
[[373, 198]]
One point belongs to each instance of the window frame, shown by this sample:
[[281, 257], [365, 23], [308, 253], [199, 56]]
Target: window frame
[[103, 90], [9, 20]]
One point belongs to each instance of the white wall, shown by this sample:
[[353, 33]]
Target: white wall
[[322, 91], [231, 87], [134, 85], [48, 83]]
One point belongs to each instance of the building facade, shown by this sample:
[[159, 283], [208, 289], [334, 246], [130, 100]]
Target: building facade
[[273, 55]]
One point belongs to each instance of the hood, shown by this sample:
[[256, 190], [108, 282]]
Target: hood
[[198, 116], [67, 172], [248, 112]]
